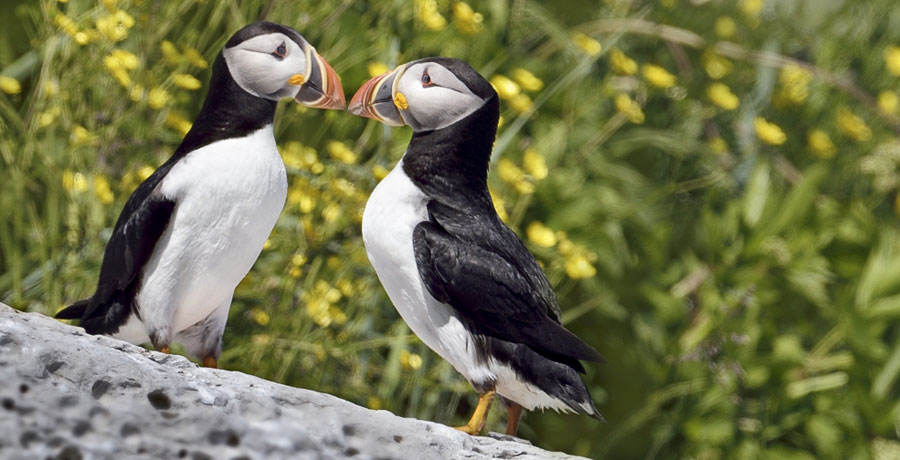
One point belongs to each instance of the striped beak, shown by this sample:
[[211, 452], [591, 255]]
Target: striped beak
[[322, 87], [376, 99]]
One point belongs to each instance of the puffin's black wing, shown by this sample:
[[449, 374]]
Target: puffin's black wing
[[493, 295], [140, 225]]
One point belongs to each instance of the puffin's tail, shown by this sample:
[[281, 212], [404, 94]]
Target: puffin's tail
[[74, 311], [559, 380]]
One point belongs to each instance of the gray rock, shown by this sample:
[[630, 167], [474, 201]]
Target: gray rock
[[68, 395]]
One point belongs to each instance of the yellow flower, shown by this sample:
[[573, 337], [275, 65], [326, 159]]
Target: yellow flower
[[81, 136], [506, 88], [820, 144], [259, 316], [66, 24], [332, 213], [73, 181], [320, 302], [121, 58], [340, 152], [157, 98], [380, 172], [722, 96], [179, 123], [621, 63], [82, 38], [10, 85], [888, 102], [298, 260], [499, 206], [628, 107], [188, 82], [521, 103], [508, 171], [374, 403], [376, 68], [527, 80], [410, 361], [119, 62], [121, 76], [715, 65], [102, 190], [136, 93], [725, 27], [535, 164], [852, 125], [115, 25], [267, 244], [47, 117], [658, 76], [428, 13], [752, 8], [541, 235], [524, 186], [51, 88], [195, 58], [794, 80], [144, 172], [79, 183], [170, 52], [587, 44], [718, 145], [768, 132], [892, 59], [467, 20], [578, 266], [297, 155]]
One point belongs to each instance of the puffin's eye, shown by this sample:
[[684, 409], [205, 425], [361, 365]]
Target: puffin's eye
[[426, 79], [280, 51]]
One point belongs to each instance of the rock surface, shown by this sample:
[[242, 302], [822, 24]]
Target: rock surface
[[68, 395]]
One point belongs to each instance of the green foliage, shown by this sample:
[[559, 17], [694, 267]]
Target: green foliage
[[710, 186]]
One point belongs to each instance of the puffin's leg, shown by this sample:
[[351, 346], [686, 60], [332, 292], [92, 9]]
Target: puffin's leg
[[515, 413], [164, 349], [479, 417], [204, 339]]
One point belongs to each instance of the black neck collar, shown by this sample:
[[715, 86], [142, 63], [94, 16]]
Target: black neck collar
[[228, 111], [451, 164]]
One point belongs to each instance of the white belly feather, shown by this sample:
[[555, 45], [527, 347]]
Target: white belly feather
[[229, 195], [394, 209]]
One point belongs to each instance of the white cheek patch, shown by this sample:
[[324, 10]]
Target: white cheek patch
[[435, 107], [261, 74]]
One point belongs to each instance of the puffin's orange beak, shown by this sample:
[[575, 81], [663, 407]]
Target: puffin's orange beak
[[322, 87], [376, 99]]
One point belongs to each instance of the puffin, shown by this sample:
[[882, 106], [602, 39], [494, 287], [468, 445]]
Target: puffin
[[193, 229], [459, 277]]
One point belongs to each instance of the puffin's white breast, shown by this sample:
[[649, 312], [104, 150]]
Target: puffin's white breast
[[394, 209], [228, 196]]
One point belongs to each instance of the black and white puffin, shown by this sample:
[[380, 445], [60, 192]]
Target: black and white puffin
[[460, 278], [192, 230]]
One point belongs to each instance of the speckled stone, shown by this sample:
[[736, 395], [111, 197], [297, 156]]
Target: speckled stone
[[68, 395]]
